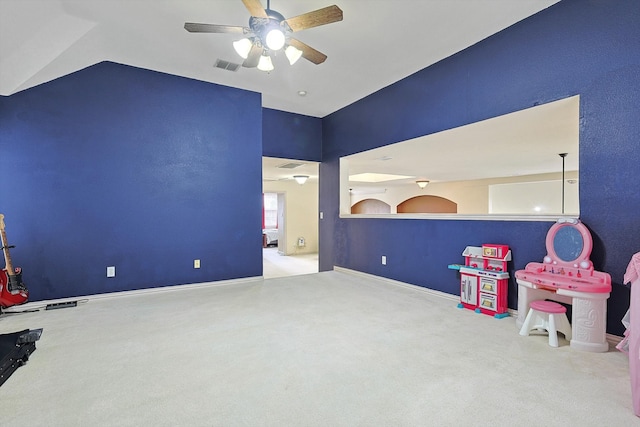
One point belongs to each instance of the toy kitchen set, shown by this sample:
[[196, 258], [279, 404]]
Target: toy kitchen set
[[484, 279]]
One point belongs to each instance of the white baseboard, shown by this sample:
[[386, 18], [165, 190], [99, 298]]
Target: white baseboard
[[38, 305], [439, 294], [611, 339]]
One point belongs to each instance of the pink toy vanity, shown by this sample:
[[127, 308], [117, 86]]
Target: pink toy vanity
[[567, 275]]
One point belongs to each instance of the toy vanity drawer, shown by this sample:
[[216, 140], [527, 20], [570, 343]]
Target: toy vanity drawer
[[488, 284], [488, 302]]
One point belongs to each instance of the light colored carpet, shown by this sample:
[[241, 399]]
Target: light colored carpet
[[326, 349], [276, 265]]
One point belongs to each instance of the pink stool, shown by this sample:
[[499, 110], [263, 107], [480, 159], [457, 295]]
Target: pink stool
[[550, 316]]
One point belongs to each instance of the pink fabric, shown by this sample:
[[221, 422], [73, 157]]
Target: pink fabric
[[623, 345], [633, 269], [548, 307], [633, 332]]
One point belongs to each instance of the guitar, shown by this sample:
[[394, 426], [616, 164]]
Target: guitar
[[12, 290]]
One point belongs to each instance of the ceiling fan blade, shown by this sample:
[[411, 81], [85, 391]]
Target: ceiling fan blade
[[308, 52], [255, 8], [316, 18], [193, 27], [254, 57]]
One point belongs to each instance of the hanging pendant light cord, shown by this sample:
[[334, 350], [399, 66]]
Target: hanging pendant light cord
[[563, 155]]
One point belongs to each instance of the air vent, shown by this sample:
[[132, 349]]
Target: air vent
[[290, 165], [226, 65]]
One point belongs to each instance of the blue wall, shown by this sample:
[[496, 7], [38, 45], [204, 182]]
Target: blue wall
[[291, 136], [114, 165], [586, 48]]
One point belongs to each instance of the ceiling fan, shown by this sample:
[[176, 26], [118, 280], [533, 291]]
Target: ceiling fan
[[269, 32]]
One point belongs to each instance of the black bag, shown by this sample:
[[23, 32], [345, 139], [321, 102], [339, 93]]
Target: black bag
[[15, 349]]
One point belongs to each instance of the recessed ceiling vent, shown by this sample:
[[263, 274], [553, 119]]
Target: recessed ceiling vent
[[226, 65], [290, 165]]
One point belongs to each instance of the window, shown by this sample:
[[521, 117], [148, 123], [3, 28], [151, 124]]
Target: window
[[269, 210]]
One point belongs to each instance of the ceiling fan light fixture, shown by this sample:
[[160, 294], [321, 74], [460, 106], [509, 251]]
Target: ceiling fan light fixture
[[301, 179], [265, 63], [275, 39], [422, 183], [293, 54], [243, 47], [268, 29]]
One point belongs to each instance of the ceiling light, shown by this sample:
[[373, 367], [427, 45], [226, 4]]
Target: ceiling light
[[301, 179], [275, 39], [265, 63], [302, 93], [422, 183], [293, 54], [243, 47]]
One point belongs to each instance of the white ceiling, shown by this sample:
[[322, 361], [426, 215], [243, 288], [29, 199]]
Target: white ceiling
[[275, 169], [378, 42]]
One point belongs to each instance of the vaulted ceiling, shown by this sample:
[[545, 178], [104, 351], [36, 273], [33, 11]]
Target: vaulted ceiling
[[377, 43]]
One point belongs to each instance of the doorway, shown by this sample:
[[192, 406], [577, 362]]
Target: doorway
[[296, 217]]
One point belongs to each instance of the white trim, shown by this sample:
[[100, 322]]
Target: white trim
[[36, 305], [440, 294], [613, 340], [458, 217]]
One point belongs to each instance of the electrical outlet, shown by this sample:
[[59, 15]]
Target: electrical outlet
[[196, 263], [384, 260], [111, 271]]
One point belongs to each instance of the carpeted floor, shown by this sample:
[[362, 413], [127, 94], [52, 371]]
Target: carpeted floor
[[276, 265], [324, 349]]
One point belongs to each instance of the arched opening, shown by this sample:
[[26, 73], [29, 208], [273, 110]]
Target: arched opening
[[428, 204], [371, 206]]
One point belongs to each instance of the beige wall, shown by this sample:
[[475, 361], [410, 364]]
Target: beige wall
[[301, 220], [472, 197]]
